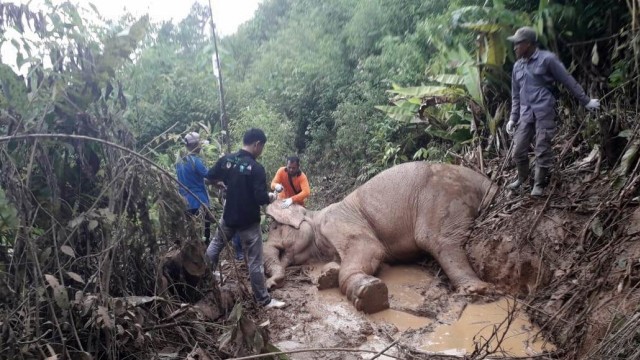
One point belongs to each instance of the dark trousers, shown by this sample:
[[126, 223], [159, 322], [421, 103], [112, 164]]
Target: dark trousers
[[237, 246], [207, 221], [251, 239], [524, 136]]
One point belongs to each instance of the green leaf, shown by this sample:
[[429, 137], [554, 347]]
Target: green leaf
[[75, 277], [274, 349], [419, 91], [398, 113], [236, 313], [94, 8], [59, 292], [595, 58], [449, 79], [20, 60], [75, 222], [92, 225], [258, 341], [68, 250], [627, 134], [496, 51], [227, 337], [471, 76], [482, 26], [596, 227], [629, 159]]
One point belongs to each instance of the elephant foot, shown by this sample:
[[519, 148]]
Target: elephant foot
[[477, 287], [370, 295], [328, 278]]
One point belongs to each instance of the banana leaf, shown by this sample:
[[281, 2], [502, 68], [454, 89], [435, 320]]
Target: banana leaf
[[418, 91]]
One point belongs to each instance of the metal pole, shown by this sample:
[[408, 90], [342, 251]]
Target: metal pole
[[216, 66]]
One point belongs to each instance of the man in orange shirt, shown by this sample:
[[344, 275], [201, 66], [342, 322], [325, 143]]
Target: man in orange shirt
[[291, 183]]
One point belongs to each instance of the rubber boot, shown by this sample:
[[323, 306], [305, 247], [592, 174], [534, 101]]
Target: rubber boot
[[540, 181], [523, 174]]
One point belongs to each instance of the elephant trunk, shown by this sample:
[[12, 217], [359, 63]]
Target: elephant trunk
[[274, 267]]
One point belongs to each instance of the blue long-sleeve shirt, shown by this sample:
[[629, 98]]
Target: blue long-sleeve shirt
[[191, 173], [532, 82]]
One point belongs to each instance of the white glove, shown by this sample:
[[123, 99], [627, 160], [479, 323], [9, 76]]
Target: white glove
[[279, 188], [511, 127], [272, 197], [286, 203], [594, 104]]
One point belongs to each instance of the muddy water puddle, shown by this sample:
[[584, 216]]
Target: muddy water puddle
[[408, 288], [400, 319], [480, 321]]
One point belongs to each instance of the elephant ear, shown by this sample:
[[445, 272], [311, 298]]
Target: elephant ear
[[292, 216]]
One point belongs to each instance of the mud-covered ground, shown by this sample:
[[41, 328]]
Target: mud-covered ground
[[425, 317]]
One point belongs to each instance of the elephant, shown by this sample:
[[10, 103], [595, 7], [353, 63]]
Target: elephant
[[398, 215]]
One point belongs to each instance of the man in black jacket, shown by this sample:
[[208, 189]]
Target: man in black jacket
[[246, 183]]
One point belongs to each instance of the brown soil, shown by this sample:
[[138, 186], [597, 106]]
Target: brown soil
[[569, 256]]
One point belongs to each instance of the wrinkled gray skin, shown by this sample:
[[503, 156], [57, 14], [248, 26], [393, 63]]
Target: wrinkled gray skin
[[397, 216]]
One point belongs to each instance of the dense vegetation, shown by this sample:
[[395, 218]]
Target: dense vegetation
[[353, 86]]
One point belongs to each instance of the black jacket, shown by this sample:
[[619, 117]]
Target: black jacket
[[246, 183]]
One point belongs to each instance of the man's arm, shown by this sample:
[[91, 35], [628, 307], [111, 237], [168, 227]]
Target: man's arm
[[260, 192], [277, 179], [560, 73], [305, 190], [216, 174], [515, 97], [200, 168]]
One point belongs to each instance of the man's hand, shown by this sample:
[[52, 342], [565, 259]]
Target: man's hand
[[511, 127], [286, 203], [279, 188], [594, 104], [272, 197]]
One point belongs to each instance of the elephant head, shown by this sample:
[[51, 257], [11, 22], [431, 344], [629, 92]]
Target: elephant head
[[291, 241], [292, 216]]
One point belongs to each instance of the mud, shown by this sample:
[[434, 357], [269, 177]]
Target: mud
[[424, 315]]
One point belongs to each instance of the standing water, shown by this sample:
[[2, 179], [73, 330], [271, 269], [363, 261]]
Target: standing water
[[407, 286]]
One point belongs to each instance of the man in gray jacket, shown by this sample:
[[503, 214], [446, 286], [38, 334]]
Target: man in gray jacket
[[533, 105]]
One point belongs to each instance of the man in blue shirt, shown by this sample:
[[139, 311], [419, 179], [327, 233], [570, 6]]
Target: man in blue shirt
[[246, 183], [191, 173], [533, 105]]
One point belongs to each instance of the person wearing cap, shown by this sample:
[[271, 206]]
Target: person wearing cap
[[291, 183], [191, 173], [246, 183], [533, 105]]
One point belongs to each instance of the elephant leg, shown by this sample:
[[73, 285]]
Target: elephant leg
[[446, 245], [448, 250], [454, 262], [367, 293]]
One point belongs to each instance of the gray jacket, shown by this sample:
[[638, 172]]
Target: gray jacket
[[532, 82]]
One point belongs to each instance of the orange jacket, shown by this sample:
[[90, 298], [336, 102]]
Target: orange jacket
[[300, 182]]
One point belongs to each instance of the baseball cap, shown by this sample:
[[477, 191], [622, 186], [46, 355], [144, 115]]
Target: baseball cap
[[192, 138], [525, 33]]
